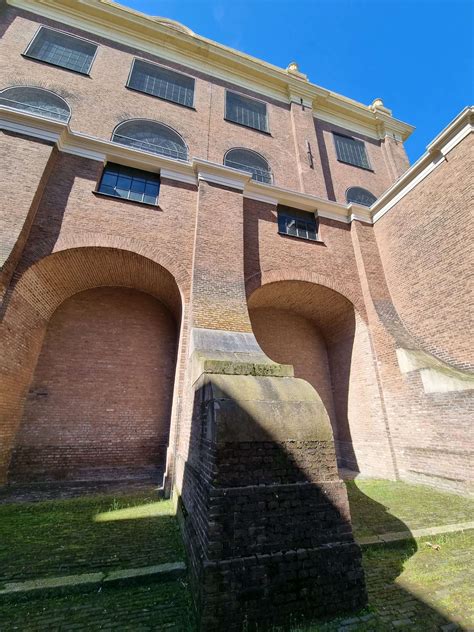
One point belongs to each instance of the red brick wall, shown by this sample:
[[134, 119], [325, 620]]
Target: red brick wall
[[101, 393], [339, 176], [425, 244], [19, 196]]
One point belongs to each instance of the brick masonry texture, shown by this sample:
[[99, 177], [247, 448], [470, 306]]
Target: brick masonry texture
[[103, 300], [100, 397]]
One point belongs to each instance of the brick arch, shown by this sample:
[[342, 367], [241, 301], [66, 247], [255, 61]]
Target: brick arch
[[318, 325], [41, 289], [265, 277], [126, 243]]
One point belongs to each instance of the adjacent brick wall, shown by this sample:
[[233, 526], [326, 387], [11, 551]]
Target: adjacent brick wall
[[425, 244], [100, 398]]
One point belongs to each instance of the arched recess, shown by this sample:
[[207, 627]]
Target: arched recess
[[320, 332], [90, 286]]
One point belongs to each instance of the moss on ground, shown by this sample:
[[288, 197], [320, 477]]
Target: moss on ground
[[407, 581], [62, 537], [380, 506]]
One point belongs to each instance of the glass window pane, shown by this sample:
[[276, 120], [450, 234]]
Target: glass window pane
[[129, 183], [62, 50], [162, 82], [291, 226], [149, 199], [138, 186], [109, 179], [124, 183], [246, 111], [107, 189], [135, 196]]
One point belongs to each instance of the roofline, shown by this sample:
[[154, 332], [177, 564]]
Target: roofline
[[122, 24]]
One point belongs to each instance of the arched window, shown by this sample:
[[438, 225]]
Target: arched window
[[151, 136], [248, 160], [360, 196], [37, 101]]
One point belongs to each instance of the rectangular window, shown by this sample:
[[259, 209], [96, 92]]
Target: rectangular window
[[62, 50], [245, 111], [297, 223], [130, 184], [161, 82], [351, 151]]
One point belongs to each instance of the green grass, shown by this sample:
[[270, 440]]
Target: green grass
[[380, 506], [64, 537]]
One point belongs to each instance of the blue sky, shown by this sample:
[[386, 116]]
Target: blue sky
[[417, 55]]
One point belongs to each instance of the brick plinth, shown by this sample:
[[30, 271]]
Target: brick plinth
[[264, 514]]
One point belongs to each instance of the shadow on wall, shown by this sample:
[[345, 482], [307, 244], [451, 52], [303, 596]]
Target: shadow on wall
[[266, 521], [314, 328]]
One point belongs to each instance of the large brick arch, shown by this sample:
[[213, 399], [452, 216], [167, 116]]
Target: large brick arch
[[319, 326], [41, 289], [266, 277]]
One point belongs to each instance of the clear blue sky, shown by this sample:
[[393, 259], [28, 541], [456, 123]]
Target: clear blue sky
[[417, 55]]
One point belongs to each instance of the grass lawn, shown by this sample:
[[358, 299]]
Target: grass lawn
[[380, 506], [63, 537]]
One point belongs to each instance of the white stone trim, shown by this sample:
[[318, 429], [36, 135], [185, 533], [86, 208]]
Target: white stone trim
[[178, 176], [191, 172], [29, 130], [261, 198]]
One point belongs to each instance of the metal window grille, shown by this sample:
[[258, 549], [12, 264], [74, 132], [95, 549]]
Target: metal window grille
[[297, 224], [245, 111], [130, 184], [62, 50], [251, 162], [360, 196], [152, 137], [351, 151], [36, 101], [161, 82]]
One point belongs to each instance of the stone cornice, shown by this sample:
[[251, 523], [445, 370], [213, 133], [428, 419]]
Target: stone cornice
[[189, 172], [435, 156], [168, 39]]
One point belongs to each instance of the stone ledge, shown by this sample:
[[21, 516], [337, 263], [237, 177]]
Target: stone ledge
[[95, 581]]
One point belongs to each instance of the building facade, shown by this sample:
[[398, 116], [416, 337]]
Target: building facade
[[215, 269]]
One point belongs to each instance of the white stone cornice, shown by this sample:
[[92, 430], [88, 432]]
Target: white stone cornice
[[220, 174], [179, 176], [190, 172], [251, 195], [435, 156]]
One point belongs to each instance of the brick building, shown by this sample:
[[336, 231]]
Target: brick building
[[214, 268]]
